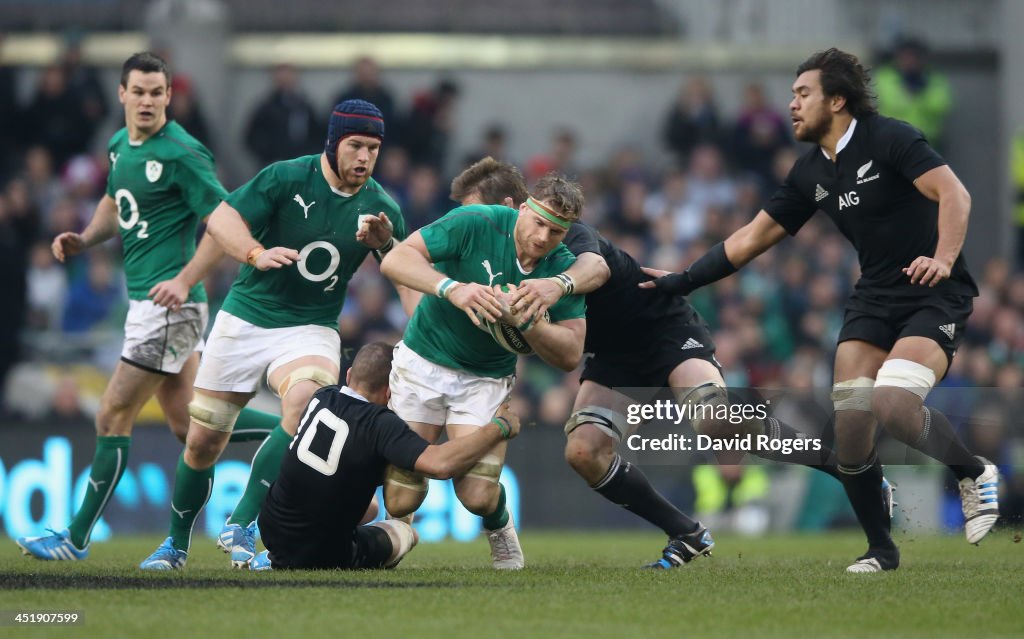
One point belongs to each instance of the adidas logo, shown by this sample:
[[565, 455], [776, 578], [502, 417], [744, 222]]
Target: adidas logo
[[691, 343], [819, 193], [949, 330]]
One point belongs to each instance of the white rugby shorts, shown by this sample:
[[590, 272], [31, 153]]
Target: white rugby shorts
[[160, 340]]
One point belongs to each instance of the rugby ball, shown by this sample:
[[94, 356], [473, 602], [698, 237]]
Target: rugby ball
[[511, 338]]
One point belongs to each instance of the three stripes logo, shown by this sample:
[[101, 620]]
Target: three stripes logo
[[949, 330], [690, 344], [819, 193]]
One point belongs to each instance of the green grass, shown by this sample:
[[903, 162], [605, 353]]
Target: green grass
[[575, 585]]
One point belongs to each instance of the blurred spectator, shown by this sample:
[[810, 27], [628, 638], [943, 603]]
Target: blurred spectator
[[908, 89], [692, 119], [759, 134], [427, 132], [41, 179], [366, 85], [492, 144], [185, 109], [66, 405], [47, 289], [626, 215], [561, 157], [93, 298], [56, 119], [426, 198], [284, 124], [10, 115], [84, 84], [683, 221], [709, 185], [17, 229], [392, 173]]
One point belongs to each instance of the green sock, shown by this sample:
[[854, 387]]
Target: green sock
[[108, 464], [191, 491], [499, 517], [266, 464], [253, 425]]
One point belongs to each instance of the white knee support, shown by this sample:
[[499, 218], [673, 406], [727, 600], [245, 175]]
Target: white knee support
[[407, 479], [853, 394], [487, 469], [705, 403], [908, 375], [321, 376], [402, 537], [604, 419], [216, 414]]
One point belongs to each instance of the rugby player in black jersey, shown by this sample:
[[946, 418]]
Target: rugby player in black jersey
[[905, 212], [346, 438]]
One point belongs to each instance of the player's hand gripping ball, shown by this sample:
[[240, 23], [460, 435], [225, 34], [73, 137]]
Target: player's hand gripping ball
[[509, 331]]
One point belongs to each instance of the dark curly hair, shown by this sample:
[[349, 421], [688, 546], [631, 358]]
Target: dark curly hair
[[842, 74]]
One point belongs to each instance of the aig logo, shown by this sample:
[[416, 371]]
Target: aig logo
[[848, 199]]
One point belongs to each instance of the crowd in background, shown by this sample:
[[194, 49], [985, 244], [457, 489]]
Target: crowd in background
[[775, 324]]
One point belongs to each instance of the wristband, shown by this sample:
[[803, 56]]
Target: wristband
[[254, 252], [445, 287], [566, 282], [504, 426], [710, 267], [390, 244]]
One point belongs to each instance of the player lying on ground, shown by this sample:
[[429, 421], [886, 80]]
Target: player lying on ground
[[905, 212], [332, 468], [319, 213], [450, 372]]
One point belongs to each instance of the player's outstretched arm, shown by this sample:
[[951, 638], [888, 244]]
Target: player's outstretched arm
[[942, 185], [101, 228], [588, 273], [172, 293], [724, 259], [456, 456], [230, 231]]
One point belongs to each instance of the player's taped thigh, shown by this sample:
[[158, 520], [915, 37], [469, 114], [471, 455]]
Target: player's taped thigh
[[407, 479], [604, 419], [853, 394], [316, 374], [906, 374], [707, 404], [488, 468], [402, 537], [211, 412]]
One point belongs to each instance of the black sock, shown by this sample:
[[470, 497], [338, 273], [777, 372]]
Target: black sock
[[863, 486], [823, 459], [626, 485], [939, 441]]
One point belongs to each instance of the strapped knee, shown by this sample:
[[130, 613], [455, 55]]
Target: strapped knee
[[606, 420], [316, 374], [213, 413], [705, 405], [487, 469], [908, 375], [402, 536], [408, 479], [853, 394]]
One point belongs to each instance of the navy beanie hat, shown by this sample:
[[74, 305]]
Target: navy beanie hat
[[351, 117]]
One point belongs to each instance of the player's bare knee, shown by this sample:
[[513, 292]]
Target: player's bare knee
[[203, 446], [479, 497], [588, 450], [404, 491]]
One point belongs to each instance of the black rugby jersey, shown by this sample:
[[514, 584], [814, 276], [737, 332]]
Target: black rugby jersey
[[869, 193], [620, 314], [330, 472]]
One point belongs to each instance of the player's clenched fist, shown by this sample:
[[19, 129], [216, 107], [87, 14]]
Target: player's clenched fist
[[67, 245], [511, 418]]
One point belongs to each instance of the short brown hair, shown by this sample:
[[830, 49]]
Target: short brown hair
[[842, 74], [492, 181], [560, 193], [146, 62], [371, 367]]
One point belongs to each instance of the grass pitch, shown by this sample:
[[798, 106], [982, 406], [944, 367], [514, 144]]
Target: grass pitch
[[575, 585]]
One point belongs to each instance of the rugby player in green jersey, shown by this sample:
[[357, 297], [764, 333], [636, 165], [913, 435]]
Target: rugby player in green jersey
[[320, 215], [447, 373]]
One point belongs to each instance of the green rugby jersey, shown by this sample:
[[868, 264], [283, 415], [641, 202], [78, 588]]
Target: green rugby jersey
[[474, 244], [291, 204], [162, 186]]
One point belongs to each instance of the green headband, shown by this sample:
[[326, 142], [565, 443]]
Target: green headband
[[543, 211]]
